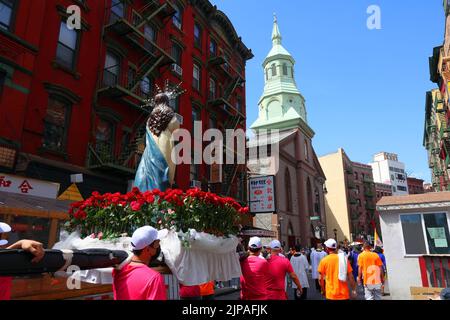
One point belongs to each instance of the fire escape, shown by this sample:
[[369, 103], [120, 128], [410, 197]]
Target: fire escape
[[132, 88], [234, 117]]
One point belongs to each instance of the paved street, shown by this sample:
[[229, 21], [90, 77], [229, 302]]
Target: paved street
[[313, 294]]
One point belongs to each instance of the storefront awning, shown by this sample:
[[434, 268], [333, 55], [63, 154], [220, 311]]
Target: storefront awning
[[11, 203], [257, 232]]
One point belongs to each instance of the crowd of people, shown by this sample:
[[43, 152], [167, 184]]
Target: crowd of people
[[336, 270]]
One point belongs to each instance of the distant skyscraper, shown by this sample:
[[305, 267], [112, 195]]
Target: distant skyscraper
[[388, 170]]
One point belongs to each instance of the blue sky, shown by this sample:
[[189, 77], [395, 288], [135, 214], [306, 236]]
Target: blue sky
[[364, 89]]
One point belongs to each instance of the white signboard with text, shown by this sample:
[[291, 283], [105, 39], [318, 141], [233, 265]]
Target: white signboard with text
[[262, 194], [28, 187]]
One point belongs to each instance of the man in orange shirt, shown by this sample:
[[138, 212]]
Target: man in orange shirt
[[370, 269], [329, 269]]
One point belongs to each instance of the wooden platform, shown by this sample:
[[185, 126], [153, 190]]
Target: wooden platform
[[422, 293]]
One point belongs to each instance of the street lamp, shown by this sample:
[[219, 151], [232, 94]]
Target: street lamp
[[335, 234]]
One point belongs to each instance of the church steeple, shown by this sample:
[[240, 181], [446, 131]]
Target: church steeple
[[281, 105], [276, 35]]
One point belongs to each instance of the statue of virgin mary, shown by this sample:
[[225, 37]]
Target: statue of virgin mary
[[156, 169]]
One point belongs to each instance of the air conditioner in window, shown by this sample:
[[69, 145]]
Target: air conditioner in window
[[196, 184], [177, 69]]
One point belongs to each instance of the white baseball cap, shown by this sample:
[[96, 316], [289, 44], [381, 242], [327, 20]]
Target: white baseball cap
[[145, 236], [3, 229], [331, 243], [255, 243], [275, 244]]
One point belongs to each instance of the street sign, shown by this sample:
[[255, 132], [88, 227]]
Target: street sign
[[262, 194], [313, 218]]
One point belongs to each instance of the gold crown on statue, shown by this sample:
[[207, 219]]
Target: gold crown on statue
[[171, 91]]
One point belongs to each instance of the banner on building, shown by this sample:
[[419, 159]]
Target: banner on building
[[28, 187], [262, 194]]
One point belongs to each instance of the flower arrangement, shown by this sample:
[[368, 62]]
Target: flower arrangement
[[112, 215]]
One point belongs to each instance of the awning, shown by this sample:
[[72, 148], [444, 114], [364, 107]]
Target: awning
[[11, 203], [257, 232]]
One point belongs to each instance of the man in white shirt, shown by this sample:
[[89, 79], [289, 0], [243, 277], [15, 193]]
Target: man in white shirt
[[316, 257], [300, 265]]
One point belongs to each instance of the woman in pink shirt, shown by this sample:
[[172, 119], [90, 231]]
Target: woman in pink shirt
[[136, 281]]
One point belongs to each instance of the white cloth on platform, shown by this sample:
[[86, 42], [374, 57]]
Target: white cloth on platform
[[316, 257], [300, 265], [209, 258]]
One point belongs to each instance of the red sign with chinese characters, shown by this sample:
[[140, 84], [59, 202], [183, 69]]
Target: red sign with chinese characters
[[26, 186]]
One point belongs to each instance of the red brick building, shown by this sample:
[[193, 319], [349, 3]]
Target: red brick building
[[70, 99], [415, 186], [363, 211], [383, 190]]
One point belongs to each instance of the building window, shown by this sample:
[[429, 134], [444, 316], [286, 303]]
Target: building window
[[176, 54], [104, 139], [117, 11], [356, 175], [195, 116], [306, 150], [131, 76], [150, 37], [274, 70], [67, 46], [112, 70], [287, 179], [227, 59], [238, 104], [413, 234], [213, 48], [175, 104], [146, 86], [285, 69], [212, 89], [197, 36], [267, 74], [6, 13], [126, 139], [55, 125], [436, 227], [177, 17], [402, 188], [196, 77]]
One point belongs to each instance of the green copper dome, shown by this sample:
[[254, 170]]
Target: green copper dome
[[281, 105]]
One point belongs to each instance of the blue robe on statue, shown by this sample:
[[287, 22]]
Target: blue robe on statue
[[153, 170]]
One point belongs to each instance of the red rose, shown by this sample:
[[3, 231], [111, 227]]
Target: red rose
[[80, 215], [136, 205]]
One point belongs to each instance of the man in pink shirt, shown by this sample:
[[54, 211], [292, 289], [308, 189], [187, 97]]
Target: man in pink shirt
[[280, 266], [255, 273], [136, 281]]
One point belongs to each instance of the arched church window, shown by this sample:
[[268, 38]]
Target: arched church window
[[310, 197], [285, 69], [287, 180], [274, 70]]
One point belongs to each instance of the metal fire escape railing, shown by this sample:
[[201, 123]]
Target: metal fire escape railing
[[155, 52]]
